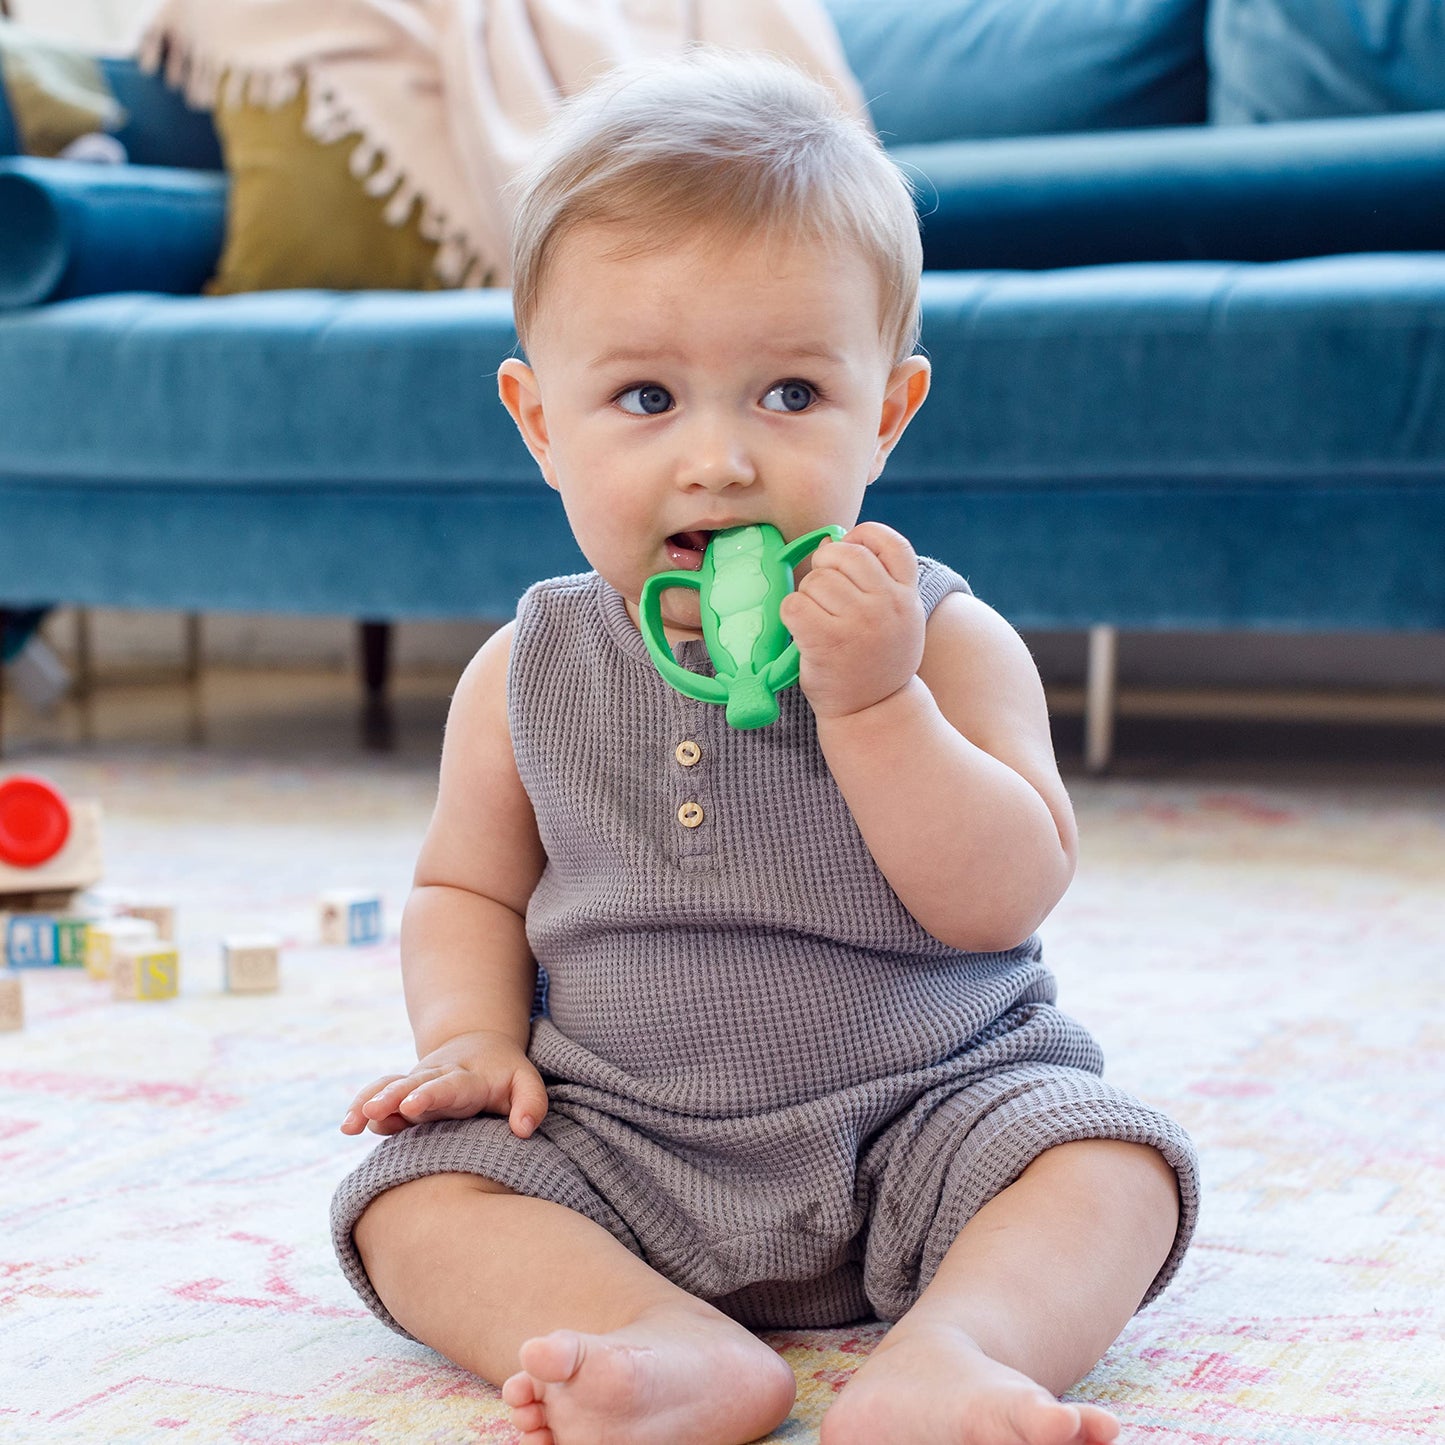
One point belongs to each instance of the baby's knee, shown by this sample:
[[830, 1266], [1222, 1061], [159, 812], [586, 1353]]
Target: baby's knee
[[407, 1217], [1135, 1179]]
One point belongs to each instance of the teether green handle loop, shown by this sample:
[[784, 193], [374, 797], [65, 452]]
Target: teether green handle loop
[[690, 684]]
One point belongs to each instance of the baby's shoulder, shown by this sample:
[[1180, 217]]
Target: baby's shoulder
[[937, 580], [551, 594], [554, 615]]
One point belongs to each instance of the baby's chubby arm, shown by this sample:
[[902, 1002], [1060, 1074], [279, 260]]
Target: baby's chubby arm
[[467, 969], [937, 734]]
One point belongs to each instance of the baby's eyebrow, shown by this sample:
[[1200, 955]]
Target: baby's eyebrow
[[779, 355], [808, 351], [635, 356]]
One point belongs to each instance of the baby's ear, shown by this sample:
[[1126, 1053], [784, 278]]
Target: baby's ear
[[904, 394], [522, 396]]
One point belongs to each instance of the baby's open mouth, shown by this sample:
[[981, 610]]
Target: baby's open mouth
[[686, 548]]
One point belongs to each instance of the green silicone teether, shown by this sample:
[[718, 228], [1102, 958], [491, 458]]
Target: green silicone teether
[[746, 572]]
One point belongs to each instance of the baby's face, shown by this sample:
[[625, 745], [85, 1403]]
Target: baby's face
[[675, 392]]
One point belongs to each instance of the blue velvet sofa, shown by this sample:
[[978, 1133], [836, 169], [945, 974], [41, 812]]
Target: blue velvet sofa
[[1188, 374]]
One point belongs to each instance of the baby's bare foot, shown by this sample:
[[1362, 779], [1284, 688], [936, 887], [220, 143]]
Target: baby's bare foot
[[687, 1376], [932, 1385]]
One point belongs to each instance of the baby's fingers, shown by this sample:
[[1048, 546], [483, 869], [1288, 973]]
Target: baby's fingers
[[355, 1120], [391, 1124], [388, 1097], [529, 1102], [892, 549], [453, 1095]]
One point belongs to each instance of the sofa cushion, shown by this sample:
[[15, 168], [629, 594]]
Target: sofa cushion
[[1187, 444], [290, 450], [1222, 193], [282, 387], [1326, 367], [72, 229], [950, 69], [1296, 59]]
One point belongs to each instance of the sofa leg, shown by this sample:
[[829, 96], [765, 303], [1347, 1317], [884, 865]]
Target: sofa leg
[[1100, 698], [83, 688], [195, 662], [377, 723]]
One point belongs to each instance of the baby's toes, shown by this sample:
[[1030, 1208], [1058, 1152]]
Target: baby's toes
[[520, 1389], [1099, 1426], [529, 1415], [531, 1421]]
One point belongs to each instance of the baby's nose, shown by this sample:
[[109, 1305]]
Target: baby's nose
[[712, 457]]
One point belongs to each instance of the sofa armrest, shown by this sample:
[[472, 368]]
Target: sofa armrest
[[70, 229], [1216, 193]]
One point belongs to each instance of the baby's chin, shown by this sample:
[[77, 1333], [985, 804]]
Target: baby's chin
[[680, 611]]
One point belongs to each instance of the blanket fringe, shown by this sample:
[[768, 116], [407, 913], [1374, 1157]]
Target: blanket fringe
[[206, 83]]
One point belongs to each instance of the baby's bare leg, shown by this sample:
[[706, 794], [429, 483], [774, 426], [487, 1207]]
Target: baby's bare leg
[[1036, 1287], [590, 1344]]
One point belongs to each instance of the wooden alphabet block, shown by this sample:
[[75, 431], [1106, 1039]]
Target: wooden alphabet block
[[72, 936], [163, 915], [12, 1004], [350, 916], [251, 963], [39, 940], [146, 971], [104, 940], [30, 940]]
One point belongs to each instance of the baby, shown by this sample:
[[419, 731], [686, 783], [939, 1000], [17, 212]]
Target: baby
[[799, 1064]]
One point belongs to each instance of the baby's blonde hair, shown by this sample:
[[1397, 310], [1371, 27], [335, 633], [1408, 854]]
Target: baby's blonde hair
[[722, 142]]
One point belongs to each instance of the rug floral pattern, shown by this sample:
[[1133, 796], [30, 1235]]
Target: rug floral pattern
[[1267, 963]]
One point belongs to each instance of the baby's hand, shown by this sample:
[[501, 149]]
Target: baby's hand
[[480, 1073], [857, 619]]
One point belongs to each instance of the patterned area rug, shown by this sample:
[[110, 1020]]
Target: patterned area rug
[[1268, 964]]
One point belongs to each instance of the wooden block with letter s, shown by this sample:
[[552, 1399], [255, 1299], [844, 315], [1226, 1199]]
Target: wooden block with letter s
[[146, 971], [104, 941]]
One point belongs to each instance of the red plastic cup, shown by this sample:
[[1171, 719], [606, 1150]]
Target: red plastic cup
[[34, 822]]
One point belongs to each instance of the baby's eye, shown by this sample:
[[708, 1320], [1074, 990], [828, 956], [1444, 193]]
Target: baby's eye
[[790, 396], [649, 400]]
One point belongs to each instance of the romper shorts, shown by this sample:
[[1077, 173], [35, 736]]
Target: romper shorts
[[829, 1212]]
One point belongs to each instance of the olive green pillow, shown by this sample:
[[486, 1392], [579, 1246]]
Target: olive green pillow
[[298, 217]]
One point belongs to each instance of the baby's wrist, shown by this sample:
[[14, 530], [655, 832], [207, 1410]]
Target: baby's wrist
[[459, 1045], [881, 712]]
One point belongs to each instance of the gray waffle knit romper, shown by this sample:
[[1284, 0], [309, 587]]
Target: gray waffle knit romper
[[765, 1078]]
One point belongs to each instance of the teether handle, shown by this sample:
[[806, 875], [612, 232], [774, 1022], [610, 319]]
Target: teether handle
[[690, 684]]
